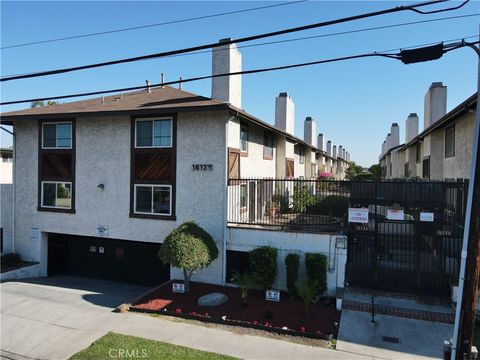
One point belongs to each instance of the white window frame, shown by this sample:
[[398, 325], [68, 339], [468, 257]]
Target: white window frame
[[56, 182], [153, 133], [57, 123], [152, 186]]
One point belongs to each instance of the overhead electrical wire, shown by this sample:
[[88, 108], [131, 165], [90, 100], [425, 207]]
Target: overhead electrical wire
[[151, 25], [240, 40], [320, 36], [447, 47]]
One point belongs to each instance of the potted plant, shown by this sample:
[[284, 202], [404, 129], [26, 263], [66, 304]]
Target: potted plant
[[272, 208]]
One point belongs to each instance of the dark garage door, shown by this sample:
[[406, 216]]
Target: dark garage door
[[119, 260]]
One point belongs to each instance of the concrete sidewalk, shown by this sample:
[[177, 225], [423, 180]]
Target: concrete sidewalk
[[51, 319]]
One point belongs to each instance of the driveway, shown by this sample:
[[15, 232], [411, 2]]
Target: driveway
[[53, 318]]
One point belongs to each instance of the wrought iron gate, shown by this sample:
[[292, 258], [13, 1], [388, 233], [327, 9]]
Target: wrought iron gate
[[419, 253]]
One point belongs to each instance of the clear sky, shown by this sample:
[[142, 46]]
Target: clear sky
[[354, 102]]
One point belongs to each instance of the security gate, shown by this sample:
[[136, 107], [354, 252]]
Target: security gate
[[413, 239]]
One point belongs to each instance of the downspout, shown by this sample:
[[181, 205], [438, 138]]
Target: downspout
[[225, 211]]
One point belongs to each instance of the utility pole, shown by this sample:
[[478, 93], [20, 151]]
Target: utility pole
[[470, 256]]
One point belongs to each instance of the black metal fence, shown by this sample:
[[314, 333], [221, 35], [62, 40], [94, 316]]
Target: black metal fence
[[410, 241]]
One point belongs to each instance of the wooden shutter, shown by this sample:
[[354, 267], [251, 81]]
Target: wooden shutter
[[233, 163], [289, 172]]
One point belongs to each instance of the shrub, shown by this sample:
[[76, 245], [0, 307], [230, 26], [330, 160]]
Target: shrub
[[316, 266], [190, 248], [263, 266], [302, 198], [332, 205], [282, 202], [244, 281], [307, 291], [292, 262]]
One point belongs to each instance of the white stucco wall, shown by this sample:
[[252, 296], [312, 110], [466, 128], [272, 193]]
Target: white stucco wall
[[332, 246], [103, 156], [6, 171], [254, 165], [299, 168], [26, 272]]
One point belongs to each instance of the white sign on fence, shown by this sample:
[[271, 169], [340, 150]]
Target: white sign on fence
[[358, 215], [426, 216], [178, 288], [395, 214], [272, 295]]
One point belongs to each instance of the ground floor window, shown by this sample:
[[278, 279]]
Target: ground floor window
[[153, 199], [237, 261], [57, 194]]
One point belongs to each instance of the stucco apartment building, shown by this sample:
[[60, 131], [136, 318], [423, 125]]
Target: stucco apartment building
[[442, 151], [6, 200], [100, 183]]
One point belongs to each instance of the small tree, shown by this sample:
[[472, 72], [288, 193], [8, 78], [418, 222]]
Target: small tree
[[307, 290], [190, 248], [302, 198], [244, 281], [292, 262]]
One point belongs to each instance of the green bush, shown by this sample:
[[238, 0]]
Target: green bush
[[316, 266], [302, 198], [281, 201], [189, 248], [332, 205], [263, 266], [292, 262]]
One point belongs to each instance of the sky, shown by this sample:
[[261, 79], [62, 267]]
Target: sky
[[353, 102]]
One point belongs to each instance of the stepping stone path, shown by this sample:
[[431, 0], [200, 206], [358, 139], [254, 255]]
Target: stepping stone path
[[213, 299]]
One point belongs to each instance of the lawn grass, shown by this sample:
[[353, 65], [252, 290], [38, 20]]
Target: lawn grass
[[116, 346]]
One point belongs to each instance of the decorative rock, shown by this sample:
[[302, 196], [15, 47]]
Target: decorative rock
[[213, 299], [122, 308]]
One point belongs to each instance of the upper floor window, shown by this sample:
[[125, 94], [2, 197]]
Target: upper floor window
[[450, 141], [56, 194], [153, 199], [243, 138], [268, 145], [302, 154], [153, 133], [57, 135], [418, 155]]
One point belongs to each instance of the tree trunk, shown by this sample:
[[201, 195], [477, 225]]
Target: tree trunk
[[186, 279]]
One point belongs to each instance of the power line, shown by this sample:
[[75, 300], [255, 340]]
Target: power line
[[239, 40], [245, 72], [321, 36], [151, 25]]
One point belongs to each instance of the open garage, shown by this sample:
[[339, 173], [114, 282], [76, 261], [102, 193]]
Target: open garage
[[119, 260]]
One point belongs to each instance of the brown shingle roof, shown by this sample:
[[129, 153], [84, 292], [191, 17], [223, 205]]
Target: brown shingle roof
[[163, 99]]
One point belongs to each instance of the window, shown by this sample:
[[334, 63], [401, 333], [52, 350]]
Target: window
[[57, 135], [426, 168], [267, 145], [233, 163], [243, 138], [418, 155], [450, 141], [407, 172], [314, 171], [301, 152], [153, 133], [289, 169], [243, 196], [57, 194], [153, 199]]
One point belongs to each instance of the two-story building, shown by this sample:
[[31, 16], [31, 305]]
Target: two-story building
[[100, 183], [442, 151]]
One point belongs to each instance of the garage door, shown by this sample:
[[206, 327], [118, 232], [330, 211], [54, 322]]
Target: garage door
[[119, 260]]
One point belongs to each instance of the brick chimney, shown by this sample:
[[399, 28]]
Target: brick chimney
[[226, 59]]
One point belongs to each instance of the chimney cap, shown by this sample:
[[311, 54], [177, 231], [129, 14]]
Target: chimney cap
[[436, 84], [309, 118], [389, 134], [395, 124], [321, 134], [283, 94], [329, 141], [413, 115], [225, 40]]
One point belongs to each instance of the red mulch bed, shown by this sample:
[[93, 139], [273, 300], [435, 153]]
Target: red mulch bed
[[290, 313]]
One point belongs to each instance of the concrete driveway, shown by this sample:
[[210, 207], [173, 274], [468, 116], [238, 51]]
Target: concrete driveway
[[53, 318]]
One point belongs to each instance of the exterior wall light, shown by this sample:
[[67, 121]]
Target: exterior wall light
[[100, 187]]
